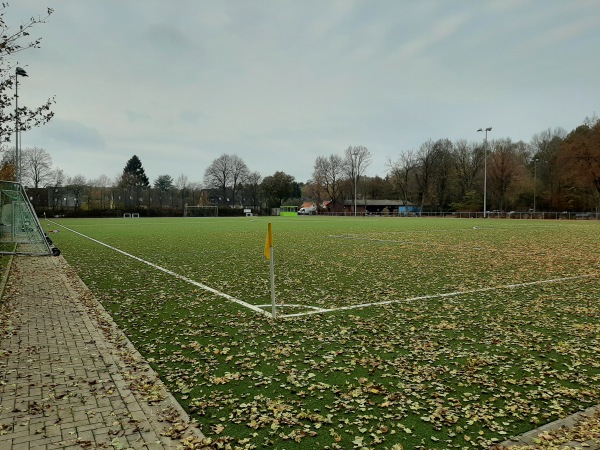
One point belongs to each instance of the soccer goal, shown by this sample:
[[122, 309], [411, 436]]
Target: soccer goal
[[20, 229], [200, 211]]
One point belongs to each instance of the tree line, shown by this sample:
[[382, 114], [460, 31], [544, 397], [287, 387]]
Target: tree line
[[555, 171]]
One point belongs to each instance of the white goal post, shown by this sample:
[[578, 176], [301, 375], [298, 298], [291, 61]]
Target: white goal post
[[200, 211]]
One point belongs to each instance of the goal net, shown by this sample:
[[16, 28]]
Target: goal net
[[200, 211], [20, 229]]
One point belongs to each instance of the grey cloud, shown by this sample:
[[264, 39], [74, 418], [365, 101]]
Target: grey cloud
[[74, 134]]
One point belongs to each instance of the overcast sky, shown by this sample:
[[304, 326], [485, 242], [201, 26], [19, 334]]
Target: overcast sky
[[180, 82]]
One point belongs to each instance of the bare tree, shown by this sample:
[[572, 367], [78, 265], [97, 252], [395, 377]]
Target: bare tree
[[58, 178], [252, 188], [101, 181], [356, 161], [37, 166], [443, 156], [545, 149], [403, 173], [11, 42], [218, 174], [98, 191], [328, 172], [239, 174], [468, 161], [77, 186], [225, 173], [194, 188], [506, 167], [425, 170], [182, 183]]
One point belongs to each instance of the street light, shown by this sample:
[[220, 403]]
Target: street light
[[18, 71], [535, 161], [485, 170], [354, 158]]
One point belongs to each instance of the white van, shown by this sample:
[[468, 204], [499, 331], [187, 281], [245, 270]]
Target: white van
[[307, 211]]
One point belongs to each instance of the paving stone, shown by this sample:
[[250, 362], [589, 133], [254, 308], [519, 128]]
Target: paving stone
[[64, 378]]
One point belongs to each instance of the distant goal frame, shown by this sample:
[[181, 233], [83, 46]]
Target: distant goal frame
[[201, 211]]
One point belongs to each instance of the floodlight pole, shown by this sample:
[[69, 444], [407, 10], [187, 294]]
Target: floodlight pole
[[535, 161], [355, 170], [18, 71], [485, 171]]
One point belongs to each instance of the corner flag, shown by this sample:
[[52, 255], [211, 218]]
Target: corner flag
[[269, 256], [269, 243]]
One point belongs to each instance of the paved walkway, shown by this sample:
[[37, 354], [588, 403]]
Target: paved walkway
[[69, 378], [578, 431]]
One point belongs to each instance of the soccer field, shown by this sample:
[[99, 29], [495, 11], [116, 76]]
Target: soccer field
[[425, 333], [330, 263]]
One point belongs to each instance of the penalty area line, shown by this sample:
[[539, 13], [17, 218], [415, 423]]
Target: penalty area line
[[170, 272], [434, 296]]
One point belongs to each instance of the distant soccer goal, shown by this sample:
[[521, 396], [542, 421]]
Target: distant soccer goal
[[20, 229], [200, 211]]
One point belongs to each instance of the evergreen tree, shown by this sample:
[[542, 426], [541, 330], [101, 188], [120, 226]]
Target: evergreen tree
[[134, 174], [163, 182]]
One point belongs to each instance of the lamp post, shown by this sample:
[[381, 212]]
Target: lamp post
[[354, 169], [485, 170], [535, 161], [18, 72]]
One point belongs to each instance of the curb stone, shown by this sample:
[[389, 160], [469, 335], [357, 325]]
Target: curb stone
[[577, 431]]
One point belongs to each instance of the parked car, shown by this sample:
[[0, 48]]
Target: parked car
[[307, 211]]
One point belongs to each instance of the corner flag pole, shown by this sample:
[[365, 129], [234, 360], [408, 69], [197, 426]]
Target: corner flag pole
[[269, 256]]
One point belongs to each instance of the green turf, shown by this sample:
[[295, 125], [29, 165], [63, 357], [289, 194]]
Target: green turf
[[441, 372]]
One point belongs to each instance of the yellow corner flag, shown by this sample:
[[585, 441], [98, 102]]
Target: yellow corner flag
[[268, 243]]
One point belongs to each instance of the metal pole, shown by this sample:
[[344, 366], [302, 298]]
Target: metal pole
[[18, 71], [485, 176], [534, 182], [272, 276], [485, 171], [17, 174], [355, 182], [355, 169]]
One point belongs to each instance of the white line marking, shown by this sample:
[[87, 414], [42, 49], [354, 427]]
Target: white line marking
[[170, 272], [448, 294], [294, 305], [317, 310]]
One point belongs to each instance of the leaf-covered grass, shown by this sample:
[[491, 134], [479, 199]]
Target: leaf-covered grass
[[463, 371]]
